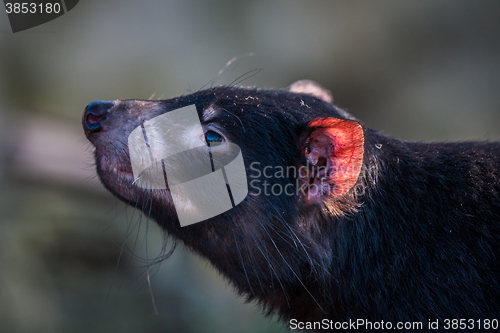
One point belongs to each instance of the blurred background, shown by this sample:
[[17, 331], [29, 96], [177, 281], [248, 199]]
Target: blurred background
[[418, 70]]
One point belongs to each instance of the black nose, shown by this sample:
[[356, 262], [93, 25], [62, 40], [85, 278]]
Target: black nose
[[94, 114]]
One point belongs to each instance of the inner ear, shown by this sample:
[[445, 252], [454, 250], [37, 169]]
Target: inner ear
[[334, 150]]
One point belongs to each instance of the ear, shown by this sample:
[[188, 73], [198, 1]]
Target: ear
[[309, 87], [334, 150]]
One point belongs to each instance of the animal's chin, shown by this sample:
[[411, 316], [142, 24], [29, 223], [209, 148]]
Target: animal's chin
[[117, 178]]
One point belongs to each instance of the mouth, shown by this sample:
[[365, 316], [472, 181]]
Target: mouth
[[116, 175]]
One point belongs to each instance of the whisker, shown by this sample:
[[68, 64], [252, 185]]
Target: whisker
[[244, 77], [270, 265], [242, 261], [148, 272], [229, 63], [243, 126], [233, 59], [293, 272], [251, 258]]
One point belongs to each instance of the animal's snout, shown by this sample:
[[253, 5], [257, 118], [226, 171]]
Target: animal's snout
[[94, 114]]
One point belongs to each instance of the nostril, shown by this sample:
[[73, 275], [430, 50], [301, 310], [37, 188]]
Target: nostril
[[95, 113], [93, 119]]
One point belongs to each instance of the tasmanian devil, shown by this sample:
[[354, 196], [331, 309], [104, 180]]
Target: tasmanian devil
[[341, 223]]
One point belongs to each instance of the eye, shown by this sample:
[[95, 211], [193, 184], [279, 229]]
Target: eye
[[213, 138]]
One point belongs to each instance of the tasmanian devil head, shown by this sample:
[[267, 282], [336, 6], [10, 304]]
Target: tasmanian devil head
[[303, 160]]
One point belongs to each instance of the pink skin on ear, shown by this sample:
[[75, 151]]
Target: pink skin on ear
[[335, 148]]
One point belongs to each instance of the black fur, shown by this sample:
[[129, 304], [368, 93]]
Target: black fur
[[419, 240]]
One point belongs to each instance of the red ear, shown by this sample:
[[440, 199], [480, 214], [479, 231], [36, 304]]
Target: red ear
[[334, 148]]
